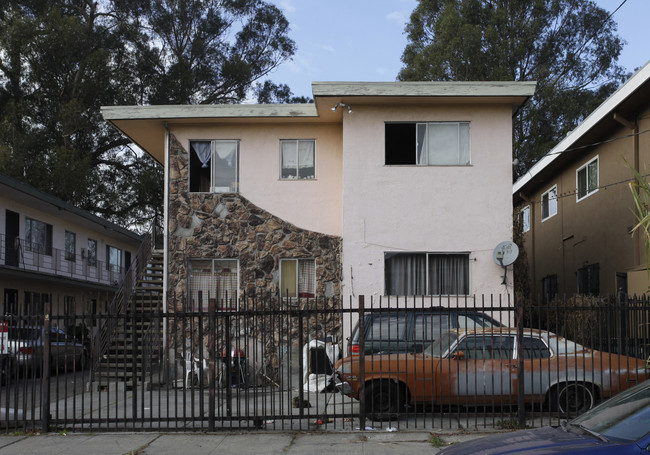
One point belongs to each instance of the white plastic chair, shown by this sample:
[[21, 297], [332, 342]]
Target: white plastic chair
[[192, 367]]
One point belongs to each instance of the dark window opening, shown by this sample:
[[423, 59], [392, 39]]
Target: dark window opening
[[400, 143], [589, 280]]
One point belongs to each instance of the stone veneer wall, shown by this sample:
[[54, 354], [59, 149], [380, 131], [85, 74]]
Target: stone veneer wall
[[228, 226]]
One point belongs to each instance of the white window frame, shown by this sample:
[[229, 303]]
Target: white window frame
[[525, 219], [213, 163], [554, 205], [424, 127], [298, 142], [295, 293], [588, 191]]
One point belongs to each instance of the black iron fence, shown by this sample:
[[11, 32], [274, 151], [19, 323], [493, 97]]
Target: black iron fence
[[268, 364]]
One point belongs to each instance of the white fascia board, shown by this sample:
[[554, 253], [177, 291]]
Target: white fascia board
[[602, 111]]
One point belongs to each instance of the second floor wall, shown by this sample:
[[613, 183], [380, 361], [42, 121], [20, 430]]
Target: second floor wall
[[37, 236]]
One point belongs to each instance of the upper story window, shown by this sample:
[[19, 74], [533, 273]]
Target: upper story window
[[427, 273], [113, 259], [38, 237], [92, 253], [297, 159], [549, 203], [428, 144], [70, 245], [214, 166], [587, 179], [524, 218]]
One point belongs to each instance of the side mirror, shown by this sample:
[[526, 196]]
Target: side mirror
[[459, 355]]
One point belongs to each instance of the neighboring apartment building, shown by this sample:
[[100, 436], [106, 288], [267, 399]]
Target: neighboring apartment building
[[576, 205], [376, 189], [54, 253]]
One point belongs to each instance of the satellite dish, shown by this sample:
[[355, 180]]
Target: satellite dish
[[506, 253]]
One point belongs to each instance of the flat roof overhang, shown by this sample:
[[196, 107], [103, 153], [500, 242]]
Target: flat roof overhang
[[146, 125]]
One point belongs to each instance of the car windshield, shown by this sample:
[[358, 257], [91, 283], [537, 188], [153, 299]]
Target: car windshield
[[623, 418], [441, 345]]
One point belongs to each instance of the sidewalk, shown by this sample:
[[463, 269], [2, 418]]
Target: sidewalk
[[258, 443]]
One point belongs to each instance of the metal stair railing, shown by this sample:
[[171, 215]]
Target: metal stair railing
[[120, 303]]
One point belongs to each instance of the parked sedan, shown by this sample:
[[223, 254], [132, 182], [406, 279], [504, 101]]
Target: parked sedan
[[65, 351], [479, 368], [619, 425]]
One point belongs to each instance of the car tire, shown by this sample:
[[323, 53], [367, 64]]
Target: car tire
[[572, 399], [384, 400]]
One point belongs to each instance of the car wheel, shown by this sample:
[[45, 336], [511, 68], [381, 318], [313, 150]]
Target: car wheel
[[384, 400], [573, 399]]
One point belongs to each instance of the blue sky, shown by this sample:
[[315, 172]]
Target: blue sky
[[363, 40]]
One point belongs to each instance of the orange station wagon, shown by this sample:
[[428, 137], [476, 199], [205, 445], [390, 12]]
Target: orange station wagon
[[480, 368]]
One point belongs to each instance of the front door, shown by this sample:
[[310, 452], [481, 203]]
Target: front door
[[12, 229], [480, 371]]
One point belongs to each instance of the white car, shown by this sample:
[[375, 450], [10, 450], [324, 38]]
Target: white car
[[65, 351]]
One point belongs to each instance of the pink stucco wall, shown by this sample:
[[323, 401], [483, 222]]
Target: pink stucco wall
[[313, 204], [425, 208]]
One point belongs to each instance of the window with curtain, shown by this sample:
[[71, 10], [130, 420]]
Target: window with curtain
[[38, 237], [297, 159], [426, 273], [428, 144], [587, 179], [213, 279], [298, 278], [214, 166]]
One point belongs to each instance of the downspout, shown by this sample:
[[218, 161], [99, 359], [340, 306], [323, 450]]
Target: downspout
[[165, 244], [533, 275]]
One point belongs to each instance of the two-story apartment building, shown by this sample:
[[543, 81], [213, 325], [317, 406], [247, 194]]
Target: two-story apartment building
[[576, 205], [375, 189], [52, 252]]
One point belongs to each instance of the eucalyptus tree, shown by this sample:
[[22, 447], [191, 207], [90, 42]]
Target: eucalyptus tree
[[569, 47], [61, 60]]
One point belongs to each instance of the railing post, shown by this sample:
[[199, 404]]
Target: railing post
[[211, 362], [228, 357], [45, 371], [362, 364], [521, 403], [134, 365], [301, 372]]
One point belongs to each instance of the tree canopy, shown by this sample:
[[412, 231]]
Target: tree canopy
[[61, 60], [569, 47]]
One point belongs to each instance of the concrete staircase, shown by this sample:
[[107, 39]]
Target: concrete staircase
[[129, 343]]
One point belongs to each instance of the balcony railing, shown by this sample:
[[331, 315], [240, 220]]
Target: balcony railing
[[22, 255]]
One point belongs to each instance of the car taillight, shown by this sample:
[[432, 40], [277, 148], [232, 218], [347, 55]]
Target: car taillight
[[354, 349], [25, 350]]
